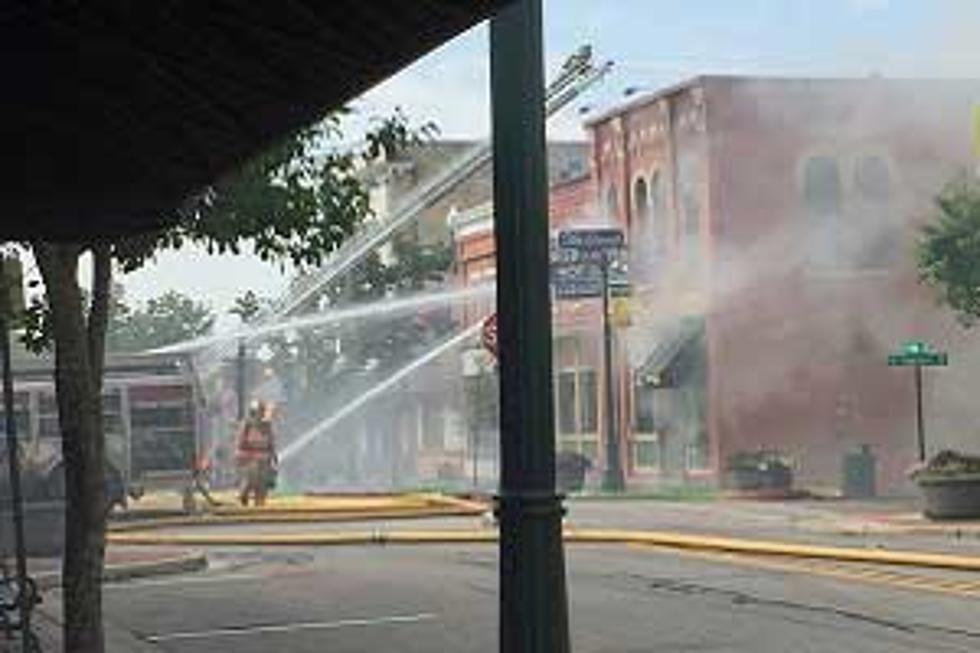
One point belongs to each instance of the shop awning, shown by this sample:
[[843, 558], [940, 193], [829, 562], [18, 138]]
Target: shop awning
[[115, 111], [662, 343]]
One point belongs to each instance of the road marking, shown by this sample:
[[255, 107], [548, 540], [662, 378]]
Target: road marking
[[182, 581], [287, 628], [853, 572]]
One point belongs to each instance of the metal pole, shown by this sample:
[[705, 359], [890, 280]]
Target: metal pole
[[13, 460], [477, 394], [613, 480], [240, 384], [920, 428], [533, 601]]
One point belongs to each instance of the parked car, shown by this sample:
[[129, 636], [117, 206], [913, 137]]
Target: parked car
[[53, 486]]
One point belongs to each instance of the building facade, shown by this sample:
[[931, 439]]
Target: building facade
[[771, 226]]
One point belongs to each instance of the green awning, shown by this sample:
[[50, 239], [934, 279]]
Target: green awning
[[664, 343]]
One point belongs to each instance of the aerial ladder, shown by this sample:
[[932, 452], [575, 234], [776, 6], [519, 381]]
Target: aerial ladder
[[578, 73]]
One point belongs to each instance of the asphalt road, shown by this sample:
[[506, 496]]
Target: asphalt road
[[436, 599]]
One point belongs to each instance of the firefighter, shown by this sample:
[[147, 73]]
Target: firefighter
[[256, 454]]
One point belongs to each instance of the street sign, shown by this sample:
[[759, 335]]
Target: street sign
[[584, 281], [918, 353], [578, 289], [589, 267], [619, 286], [931, 359], [591, 239]]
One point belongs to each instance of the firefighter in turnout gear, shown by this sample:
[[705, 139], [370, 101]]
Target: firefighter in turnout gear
[[256, 455]]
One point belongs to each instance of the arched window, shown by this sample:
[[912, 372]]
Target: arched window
[[641, 203], [879, 241], [822, 203], [872, 179]]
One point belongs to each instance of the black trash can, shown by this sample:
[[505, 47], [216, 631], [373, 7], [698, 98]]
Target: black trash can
[[859, 474]]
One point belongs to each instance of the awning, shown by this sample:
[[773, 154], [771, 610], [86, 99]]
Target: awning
[[661, 344], [116, 111]]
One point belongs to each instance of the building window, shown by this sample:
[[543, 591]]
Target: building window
[[646, 451], [588, 409], [643, 411], [48, 425], [22, 419], [645, 439], [577, 409], [641, 203], [879, 244], [567, 423], [822, 202]]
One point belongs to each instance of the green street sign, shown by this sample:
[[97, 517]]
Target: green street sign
[[927, 359], [919, 353]]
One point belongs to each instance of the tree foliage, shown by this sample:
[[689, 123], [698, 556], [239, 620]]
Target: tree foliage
[[949, 251], [382, 342], [247, 306], [170, 318]]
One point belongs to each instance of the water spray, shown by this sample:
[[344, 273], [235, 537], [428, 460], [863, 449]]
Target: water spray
[[324, 426]]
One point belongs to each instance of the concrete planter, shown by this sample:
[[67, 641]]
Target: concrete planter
[[570, 469], [953, 496], [44, 529], [773, 478]]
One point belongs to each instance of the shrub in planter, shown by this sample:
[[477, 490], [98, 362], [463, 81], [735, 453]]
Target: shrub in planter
[[570, 468], [950, 484], [759, 470]]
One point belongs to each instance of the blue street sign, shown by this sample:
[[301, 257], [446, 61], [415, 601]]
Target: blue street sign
[[591, 239]]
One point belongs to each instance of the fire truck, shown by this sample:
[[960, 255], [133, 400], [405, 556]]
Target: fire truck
[[153, 414]]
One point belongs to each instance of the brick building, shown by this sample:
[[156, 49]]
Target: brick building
[[771, 225]]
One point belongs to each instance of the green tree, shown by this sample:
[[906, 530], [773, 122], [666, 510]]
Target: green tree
[[949, 250], [247, 306], [305, 354], [172, 317], [293, 204]]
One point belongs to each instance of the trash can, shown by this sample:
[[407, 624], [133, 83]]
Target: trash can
[[859, 474]]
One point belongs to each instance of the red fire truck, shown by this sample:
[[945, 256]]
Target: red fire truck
[[152, 416]]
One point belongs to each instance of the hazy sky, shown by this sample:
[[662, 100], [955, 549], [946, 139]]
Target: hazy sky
[[654, 43]]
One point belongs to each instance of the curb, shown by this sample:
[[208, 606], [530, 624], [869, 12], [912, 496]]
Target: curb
[[967, 532], [472, 505], [783, 549], [295, 517], [572, 536], [180, 564]]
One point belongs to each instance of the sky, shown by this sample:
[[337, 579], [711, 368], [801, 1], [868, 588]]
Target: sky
[[653, 44]]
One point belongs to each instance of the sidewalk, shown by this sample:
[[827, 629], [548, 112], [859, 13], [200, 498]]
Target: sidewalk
[[122, 563], [875, 523], [896, 516], [47, 627]]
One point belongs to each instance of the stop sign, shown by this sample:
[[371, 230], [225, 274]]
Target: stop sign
[[489, 334]]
